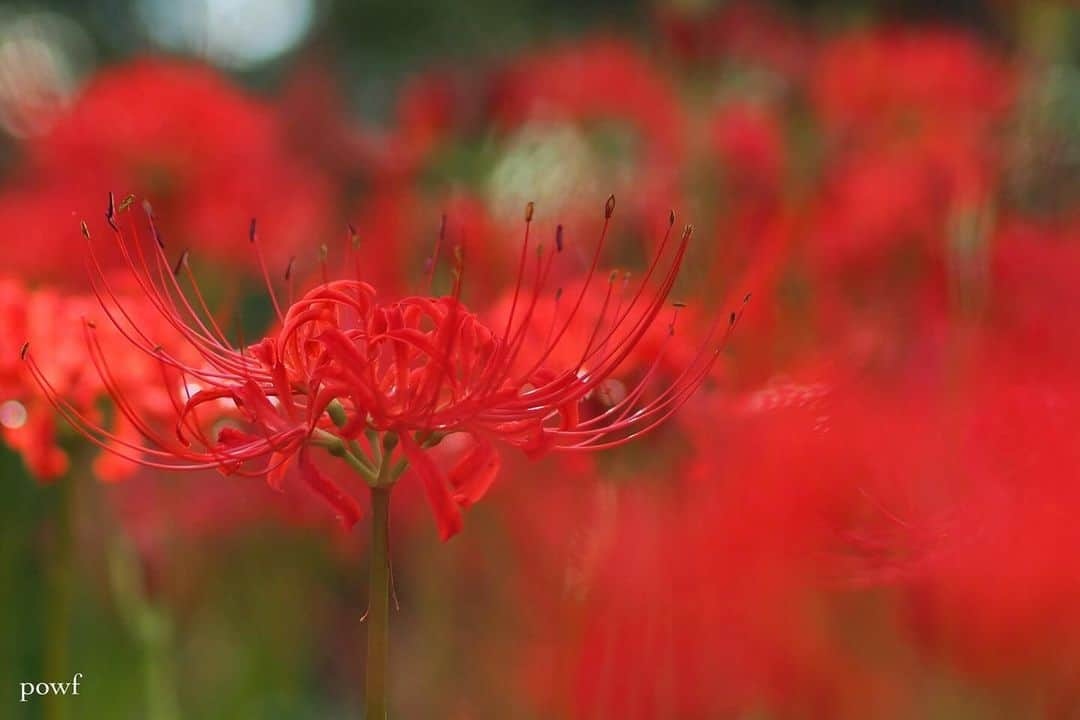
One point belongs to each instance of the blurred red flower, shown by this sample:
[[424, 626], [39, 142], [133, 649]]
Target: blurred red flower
[[206, 155]]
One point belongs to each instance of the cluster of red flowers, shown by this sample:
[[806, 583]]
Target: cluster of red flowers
[[873, 483]]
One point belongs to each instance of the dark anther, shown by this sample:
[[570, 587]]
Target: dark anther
[[609, 206], [181, 262], [110, 213], [529, 208], [127, 202], [747, 298], [251, 230], [731, 319], [679, 305], [671, 217], [25, 349], [558, 238], [85, 230], [289, 267]]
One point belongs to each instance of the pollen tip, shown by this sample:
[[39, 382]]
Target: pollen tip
[[746, 298], [558, 237], [688, 232], [85, 230], [614, 274], [671, 218], [289, 267], [558, 293], [127, 202], [609, 207], [251, 230], [24, 349], [530, 207], [731, 319], [679, 305]]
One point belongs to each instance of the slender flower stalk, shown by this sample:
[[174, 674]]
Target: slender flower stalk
[[378, 615], [377, 383]]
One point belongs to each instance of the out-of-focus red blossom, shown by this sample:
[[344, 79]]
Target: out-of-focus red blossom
[[430, 107], [719, 594], [873, 206], [590, 85], [741, 32], [897, 83], [1034, 282], [997, 598], [749, 143], [994, 593], [49, 320], [912, 121], [755, 223], [316, 122], [207, 156], [594, 81], [427, 108]]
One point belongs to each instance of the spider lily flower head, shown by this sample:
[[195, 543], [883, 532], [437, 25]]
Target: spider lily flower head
[[379, 382]]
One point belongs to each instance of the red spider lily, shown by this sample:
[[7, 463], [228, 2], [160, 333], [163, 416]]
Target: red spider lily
[[377, 383]]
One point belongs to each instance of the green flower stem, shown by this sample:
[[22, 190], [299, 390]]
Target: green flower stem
[[58, 609], [378, 615], [151, 627]]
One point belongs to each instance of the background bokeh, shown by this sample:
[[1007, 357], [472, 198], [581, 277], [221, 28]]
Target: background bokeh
[[868, 510]]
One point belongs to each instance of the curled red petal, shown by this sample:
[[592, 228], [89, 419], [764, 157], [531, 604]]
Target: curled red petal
[[347, 508], [447, 512], [475, 472], [276, 469]]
